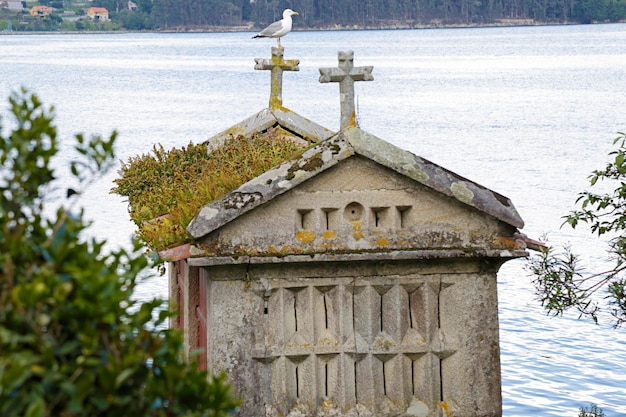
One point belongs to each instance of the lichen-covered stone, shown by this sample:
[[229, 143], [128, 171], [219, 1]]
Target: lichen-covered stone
[[356, 280], [360, 280], [408, 203]]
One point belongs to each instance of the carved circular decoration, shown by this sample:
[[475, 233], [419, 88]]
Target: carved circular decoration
[[353, 212]]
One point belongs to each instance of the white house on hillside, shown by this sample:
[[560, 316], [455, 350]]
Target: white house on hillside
[[12, 5]]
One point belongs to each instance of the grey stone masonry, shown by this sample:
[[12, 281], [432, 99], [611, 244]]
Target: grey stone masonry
[[367, 338], [276, 65], [276, 115], [346, 74], [372, 195], [358, 280]]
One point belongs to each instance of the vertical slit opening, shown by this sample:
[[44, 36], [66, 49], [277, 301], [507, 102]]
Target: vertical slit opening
[[380, 215], [381, 313], [403, 219], [356, 393], [325, 312], [410, 313], [295, 311], [326, 379], [265, 307], [330, 218], [304, 219], [413, 378], [439, 304], [384, 381], [297, 384], [439, 327], [354, 326], [440, 379]]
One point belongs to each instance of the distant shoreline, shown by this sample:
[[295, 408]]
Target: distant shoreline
[[251, 28]]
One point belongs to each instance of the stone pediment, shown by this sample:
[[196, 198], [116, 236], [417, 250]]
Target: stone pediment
[[398, 199], [349, 194]]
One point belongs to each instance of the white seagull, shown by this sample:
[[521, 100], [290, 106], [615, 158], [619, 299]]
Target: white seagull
[[278, 29]]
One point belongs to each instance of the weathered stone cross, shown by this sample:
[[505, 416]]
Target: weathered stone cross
[[277, 65], [346, 75]]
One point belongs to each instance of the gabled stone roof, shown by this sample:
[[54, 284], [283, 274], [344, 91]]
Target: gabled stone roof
[[330, 149], [276, 115], [260, 122], [345, 144]]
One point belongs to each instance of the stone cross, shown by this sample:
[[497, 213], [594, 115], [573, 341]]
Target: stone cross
[[346, 74], [276, 65]]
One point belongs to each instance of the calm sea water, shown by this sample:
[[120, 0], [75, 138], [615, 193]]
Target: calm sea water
[[527, 112]]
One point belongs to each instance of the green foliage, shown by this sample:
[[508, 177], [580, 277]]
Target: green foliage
[[208, 14], [72, 340], [560, 284], [560, 281], [592, 411], [383, 13], [69, 26], [605, 212], [166, 189], [134, 20]]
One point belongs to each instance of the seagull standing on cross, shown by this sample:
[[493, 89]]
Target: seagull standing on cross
[[278, 29]]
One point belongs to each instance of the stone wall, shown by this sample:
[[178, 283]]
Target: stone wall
[[366, 338], [357, 206]]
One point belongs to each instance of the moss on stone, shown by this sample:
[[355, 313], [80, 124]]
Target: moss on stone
[[177, 183]]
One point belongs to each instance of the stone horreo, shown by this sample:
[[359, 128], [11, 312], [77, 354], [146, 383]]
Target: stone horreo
[[355, 280]]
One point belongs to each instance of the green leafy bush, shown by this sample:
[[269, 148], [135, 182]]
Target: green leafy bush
[[166, 189], [560, 281], [72, 340]]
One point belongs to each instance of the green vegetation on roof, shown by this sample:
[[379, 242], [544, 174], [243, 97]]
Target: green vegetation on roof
[[166, 189]]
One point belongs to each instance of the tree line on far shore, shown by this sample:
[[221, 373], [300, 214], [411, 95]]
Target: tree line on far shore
[[383, 13], [182, 15]]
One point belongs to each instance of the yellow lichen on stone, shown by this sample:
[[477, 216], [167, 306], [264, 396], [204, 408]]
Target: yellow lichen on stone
[[382, 242], [446, 408], [327, 405], [329, 234], [353, 122], [305, 236], [357, 231], [383, 343]]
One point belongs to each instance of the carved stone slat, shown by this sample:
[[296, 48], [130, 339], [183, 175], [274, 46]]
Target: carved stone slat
[[331, 354]]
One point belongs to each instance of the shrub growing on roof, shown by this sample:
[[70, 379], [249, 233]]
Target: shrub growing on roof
[[166, 189]]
